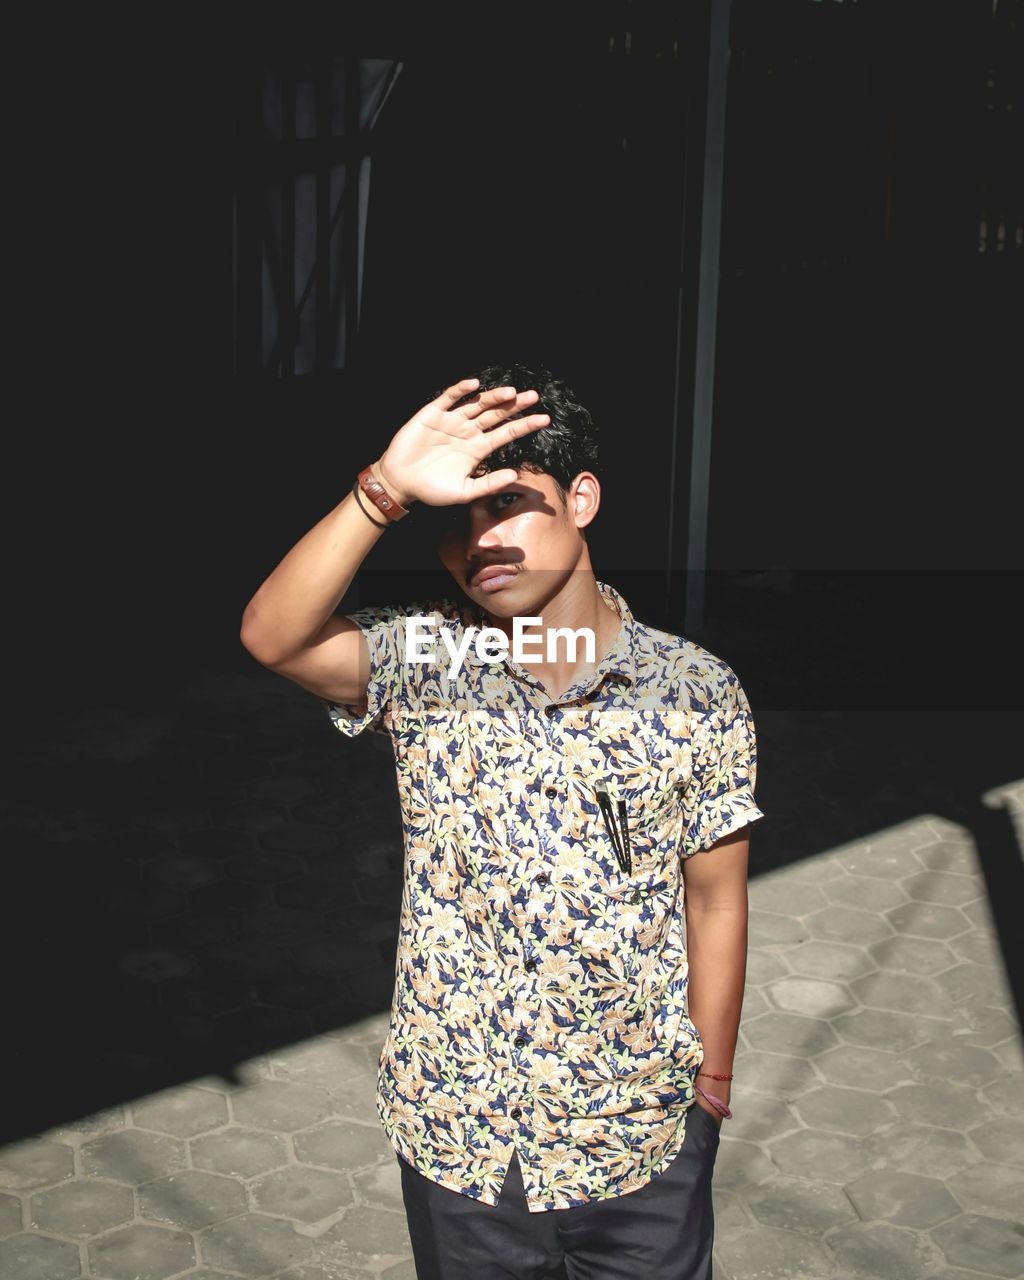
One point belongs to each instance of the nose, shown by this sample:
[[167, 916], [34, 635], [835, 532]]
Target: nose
[[482, 531]]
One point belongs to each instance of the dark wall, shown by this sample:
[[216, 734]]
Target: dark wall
[[534, 196]]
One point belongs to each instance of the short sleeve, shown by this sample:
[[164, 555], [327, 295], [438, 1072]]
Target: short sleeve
[[384, 629], [720, 795]]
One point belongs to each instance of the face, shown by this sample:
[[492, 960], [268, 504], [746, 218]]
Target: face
[[525, 530]]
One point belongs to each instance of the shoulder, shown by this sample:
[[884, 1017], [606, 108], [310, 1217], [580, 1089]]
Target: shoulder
[[702, 681]]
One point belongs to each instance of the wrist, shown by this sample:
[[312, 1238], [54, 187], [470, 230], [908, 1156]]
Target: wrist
[[396, 491]]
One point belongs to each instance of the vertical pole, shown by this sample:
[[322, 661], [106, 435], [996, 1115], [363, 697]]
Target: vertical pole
[[707, 314], [287, 325], [322, 72], [350, 220]]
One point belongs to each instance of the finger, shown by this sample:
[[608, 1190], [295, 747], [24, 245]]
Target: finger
[[492, 417], [453, 394], [490, 483], [515, 430], [487, 400]]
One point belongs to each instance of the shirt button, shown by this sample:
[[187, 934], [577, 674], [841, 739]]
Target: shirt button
[[551, 792], [531, 965], [542, 879], [519, 1041], [550, 711], [516, 1113]]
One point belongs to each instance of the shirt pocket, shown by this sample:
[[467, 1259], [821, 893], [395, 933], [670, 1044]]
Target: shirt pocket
[[653, 798]]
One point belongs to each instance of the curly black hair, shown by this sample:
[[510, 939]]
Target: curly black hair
[[564, 448]]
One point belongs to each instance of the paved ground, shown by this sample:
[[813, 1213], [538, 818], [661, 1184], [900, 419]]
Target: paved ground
[[208, 886]]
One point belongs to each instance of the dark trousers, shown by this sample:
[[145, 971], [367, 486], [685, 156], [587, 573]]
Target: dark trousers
[[664, 1231]]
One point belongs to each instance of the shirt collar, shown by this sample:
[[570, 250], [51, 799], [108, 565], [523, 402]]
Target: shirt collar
[[620, 660]]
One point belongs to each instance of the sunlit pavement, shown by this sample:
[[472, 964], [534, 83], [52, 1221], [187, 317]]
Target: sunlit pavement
[[242, 905]]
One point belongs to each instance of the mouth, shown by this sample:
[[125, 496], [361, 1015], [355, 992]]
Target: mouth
[[494, 577]]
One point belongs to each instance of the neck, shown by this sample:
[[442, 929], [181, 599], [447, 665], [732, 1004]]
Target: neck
[[578, 605]]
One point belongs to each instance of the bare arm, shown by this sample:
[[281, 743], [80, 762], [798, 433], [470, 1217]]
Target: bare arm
[[716, 944], [290, 624]]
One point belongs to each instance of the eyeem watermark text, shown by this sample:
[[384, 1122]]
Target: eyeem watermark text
[[492, 644]]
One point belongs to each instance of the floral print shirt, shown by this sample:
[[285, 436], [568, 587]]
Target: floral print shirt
[[540, 1000]]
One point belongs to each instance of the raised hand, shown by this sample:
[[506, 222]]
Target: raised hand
[[432, 457]]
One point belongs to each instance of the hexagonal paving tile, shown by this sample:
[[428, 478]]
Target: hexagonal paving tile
[[853, 1111], [992, 1245], [1002, 1141], [754, 1003], [253, 1245], [365, 1233], [867, 893], [141, 1253], [381, 1186], [31, 1257], [791, 1033], [919, 1148], [884, 1029], [848, 924], [826, 1157], [901, 992], [83, 1207], [810, 996], [993, 1189], [902, 954], [762, 967], [34, 1163], [207, 1273], [302, 1193], [950, 855], [192, 1199], [836, 960], [949, 1058], [778, 893], [340, 1144], [773, 1254], [950, 889], [1006, 1095], [768, 929], [888, 858], [280, 1105], [798, 1204], [740, 1165], [927, 920], [776, 1074], [880, 1249], [133, 1156], [182, 1112], [954, 1107], [763, 1119], [10, 1215], [978, 984], [906, 1199], [859, 1067], [243, 1153], [977, 948]]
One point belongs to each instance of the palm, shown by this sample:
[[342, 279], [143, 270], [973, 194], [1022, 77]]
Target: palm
[[433, 457]]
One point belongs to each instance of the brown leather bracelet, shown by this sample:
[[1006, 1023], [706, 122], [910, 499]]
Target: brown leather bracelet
[[388, 506], [356, 491]]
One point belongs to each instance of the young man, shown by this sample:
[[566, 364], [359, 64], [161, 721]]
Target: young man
[[573, 936]]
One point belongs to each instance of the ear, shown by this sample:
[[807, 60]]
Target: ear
[[584, 498]]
